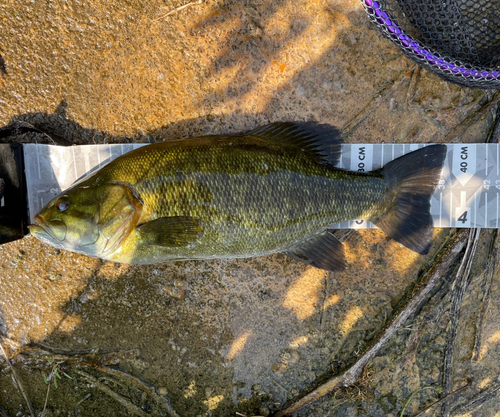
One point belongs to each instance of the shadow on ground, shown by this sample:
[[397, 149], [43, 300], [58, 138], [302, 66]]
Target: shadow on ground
[[227, 336]]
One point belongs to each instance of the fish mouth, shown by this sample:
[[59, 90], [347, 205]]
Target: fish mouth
[[39, 220], [41, 229], [39, 223]]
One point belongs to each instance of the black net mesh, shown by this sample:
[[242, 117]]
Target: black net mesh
[[459, 40]]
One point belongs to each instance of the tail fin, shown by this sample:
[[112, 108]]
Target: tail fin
[[411, 180]]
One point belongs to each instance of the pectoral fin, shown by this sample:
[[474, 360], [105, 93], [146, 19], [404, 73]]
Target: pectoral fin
[[324, 251], [177, 231]]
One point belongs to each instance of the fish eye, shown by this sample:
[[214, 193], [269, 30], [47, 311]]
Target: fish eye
[[62, 205]]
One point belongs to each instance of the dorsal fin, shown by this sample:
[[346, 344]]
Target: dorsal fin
[[320, 141]]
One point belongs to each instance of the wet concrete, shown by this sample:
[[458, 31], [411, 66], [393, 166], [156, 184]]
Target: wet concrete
[[228, 336]]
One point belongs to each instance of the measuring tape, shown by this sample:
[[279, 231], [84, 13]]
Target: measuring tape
[[467, 194]]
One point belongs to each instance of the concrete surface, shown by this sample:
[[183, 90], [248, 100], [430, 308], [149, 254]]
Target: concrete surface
[[231, 336]]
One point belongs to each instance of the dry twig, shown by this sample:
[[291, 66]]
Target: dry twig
[[18, 380], [492, 263], [46, 398], [493, 258], [131, 408], [494, 133], [150, 389], [459, 286], [430, 407], [177, 9], [411, 87], [443, 260], [477, 400], [472, 118], [40, 356]]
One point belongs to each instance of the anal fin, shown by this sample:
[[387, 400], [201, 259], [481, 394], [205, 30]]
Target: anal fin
[[324, 251]]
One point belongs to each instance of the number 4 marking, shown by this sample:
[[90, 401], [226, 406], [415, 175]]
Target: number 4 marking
[[462, 217], [462, 211]]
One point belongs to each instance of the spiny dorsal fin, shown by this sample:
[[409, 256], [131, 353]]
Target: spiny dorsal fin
[[177, 231], [320, 141], [324, 251]]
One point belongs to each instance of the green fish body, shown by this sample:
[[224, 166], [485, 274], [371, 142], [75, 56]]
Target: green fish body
[[271, 190]]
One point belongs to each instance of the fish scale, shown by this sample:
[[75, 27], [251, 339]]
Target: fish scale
[[253, 210]]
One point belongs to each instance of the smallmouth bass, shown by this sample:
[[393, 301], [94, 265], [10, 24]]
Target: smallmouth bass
[[271, 190]]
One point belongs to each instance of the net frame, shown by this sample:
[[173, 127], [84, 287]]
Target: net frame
[[464, 64]]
